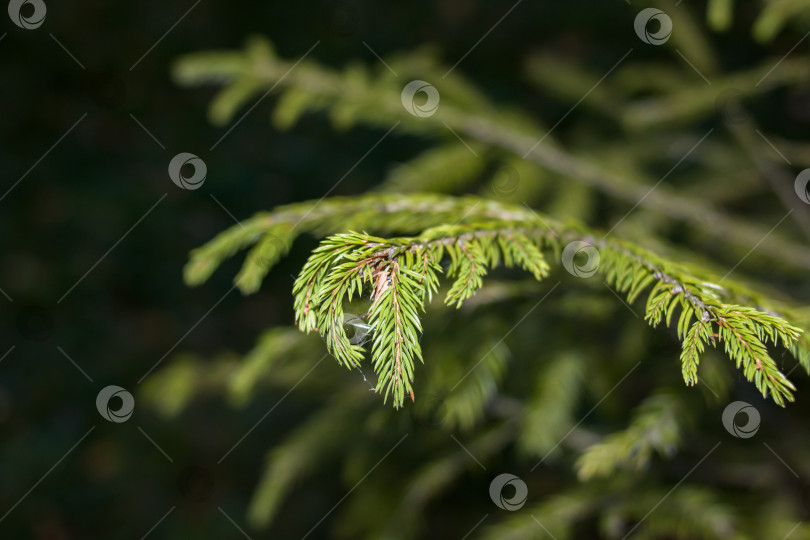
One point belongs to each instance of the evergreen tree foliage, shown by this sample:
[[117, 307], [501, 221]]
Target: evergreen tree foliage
[[471, 236], [409, 285]]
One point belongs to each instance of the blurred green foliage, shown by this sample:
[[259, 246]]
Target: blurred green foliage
[[302, 439]]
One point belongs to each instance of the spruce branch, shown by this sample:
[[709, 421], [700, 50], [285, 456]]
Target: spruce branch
[[359, 95], [399, 275]]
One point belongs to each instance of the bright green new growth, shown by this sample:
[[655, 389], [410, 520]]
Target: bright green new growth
[[515, 367], [400, 275], [464, 238]]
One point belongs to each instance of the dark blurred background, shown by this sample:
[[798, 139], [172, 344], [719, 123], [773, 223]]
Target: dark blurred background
[[95, 234]]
